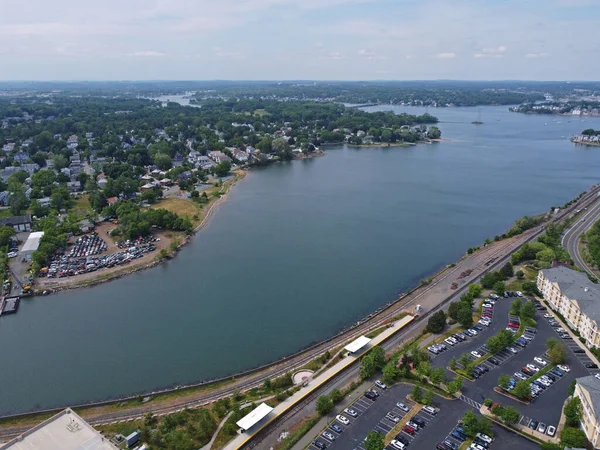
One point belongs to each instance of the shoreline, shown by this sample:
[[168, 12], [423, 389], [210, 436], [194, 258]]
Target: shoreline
[[240, 175]]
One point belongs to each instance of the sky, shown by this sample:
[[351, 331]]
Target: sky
[[302, 39]]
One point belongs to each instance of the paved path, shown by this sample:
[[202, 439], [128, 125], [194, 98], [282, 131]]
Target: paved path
[[572, 236], [216, 433]]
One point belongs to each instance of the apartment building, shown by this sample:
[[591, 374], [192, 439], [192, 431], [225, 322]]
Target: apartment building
[[573, 295], [588, 391]]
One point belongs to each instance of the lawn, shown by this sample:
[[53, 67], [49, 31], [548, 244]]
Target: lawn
[[183, 207], [82, 205], [5, 212]]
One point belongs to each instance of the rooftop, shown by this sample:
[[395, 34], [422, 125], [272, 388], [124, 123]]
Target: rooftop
[[592, 385], [357, 344], [255, 416], [33, 242], [577, 286], [64, 431], [15, 220]]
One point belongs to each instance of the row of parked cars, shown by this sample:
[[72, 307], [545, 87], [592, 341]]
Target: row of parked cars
[[413, 426], [480, 441], [87, 245], [455, 339]]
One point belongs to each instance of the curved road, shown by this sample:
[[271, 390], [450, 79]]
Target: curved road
[[572, 236], [430, 297]]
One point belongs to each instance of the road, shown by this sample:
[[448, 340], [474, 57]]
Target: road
[[430, 297], [572, 237]]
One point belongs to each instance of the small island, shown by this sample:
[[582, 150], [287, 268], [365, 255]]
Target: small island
[[587, 137]]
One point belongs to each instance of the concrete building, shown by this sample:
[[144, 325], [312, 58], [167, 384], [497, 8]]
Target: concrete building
[[573, 295], [19, 223], [588, 390], [64, 431]]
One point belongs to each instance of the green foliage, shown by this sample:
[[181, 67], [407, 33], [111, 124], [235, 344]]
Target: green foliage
[[520, 274], [417, 394], [551, 446], [504, 381], [530, 288], [336, 396], [528, 310], [499, 341], [367, 367], [574, 438], [573, 412], [374, 441], [507, 270], [515, 307], [489, 279], [488, 402], [499, 287], [522, 390], [378, 355], [223, 168], [390, 373], [453, 363], [324, 404], [556, 351], [453, 310], [572, 386], [428, 397], [523, 224], [437, 322], [437, 375], [508, 414], [475, 290], [6, 235], [452, 387], [465, 316]]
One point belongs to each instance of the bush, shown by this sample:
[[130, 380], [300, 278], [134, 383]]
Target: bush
[[488, 402], [574, 437], [417, 394], [324, 404], [499, 287], [436, 322]]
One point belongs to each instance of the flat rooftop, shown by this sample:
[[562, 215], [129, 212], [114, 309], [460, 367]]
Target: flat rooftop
[[357, 344], [64, 431]]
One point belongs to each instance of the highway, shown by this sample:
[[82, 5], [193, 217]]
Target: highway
[[429, 297], [572, 236]]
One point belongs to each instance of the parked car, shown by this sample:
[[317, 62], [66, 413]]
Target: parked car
[[328, 435], [380, 385], [419, 421], [533, 368], [461, 437], [494, 361], [370, 395], [397, 444], [402, 406], [551, 431], [393, 417], [409, 430], [335, 427], [557, 372], [351, 412], [579, 350], [429, 410], [320, 444], [542, 427], [564, 368], [539, 360], [342, 419], [476, 354], [533, 424], [484, 437]]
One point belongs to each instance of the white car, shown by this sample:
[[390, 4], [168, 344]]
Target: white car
[[448, 341], [397, 444], [512, 349], [402, 406], [542, 427], [539, 360], [12, 254], [351, 412], [342, 419], [532, 367], [548, 316], [473, 332], [564, 368], [476, 447], [328, 435], [476, 354], [597, 376], [551, 431], [380, 385], [484, 437], [519, 294]]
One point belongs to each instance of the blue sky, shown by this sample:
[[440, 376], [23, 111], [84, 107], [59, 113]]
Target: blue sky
[[305, 39]]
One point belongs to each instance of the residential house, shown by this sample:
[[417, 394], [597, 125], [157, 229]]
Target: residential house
[[177, 160], [21, 157], [240, 156], [573, 295], [7, 148], [74, 186], [19, 223], [4, 198], [587, 389], [112, 200], [101, 181], [218, 156], [166, 182], [205, 162]]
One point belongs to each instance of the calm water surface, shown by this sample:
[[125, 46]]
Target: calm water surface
[[296, 252]]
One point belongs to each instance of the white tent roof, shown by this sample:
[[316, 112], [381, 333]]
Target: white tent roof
[[259, 413], [357, 344], [33, 242]]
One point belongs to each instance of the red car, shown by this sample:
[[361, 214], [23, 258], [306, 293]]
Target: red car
[[513, 325], [409, 430]]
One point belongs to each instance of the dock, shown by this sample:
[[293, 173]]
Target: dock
[[9, 305]]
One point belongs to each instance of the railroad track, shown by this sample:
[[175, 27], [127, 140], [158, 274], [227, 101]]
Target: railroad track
[[374, 320]]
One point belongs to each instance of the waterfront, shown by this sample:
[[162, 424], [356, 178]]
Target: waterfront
[[297, 251]]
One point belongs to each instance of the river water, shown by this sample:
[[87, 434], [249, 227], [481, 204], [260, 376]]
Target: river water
[[296, 252]]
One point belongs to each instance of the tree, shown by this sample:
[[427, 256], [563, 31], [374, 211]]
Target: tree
[[499, 287], [336, 396], [437, 375], [528, 310], [522, 390], [490, 278], [465, 316], [223, 168], [378, 355], [428, 397], [475, 290], [436, 322], [324, 404], [434, 133], [573, 437], [163, 161], [573, 412], [417, 394], [374, 441], [507, 271], [453, 363], [367, 367], [6, 235], [18, 203], [557, 354], [520, 274], [455, 385], [60, 162], [453, 310], [515, 307], [390, 373], [510, 415], [551, 446], [504, 381], [470, 423], [530, 288], [464, 359]]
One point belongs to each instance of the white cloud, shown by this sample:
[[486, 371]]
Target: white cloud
[[335, 55], [446, 55], [536, 55], [369, 54], [148, 53], [497, 52]]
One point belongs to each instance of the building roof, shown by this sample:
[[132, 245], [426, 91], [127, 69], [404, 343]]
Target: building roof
[[33, 242], [592, 385], [577, 286], [15, 220], [257, 414], [64, 431], [357, 344]]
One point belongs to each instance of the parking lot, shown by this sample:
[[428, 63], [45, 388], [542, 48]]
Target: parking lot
[[371, 415]]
